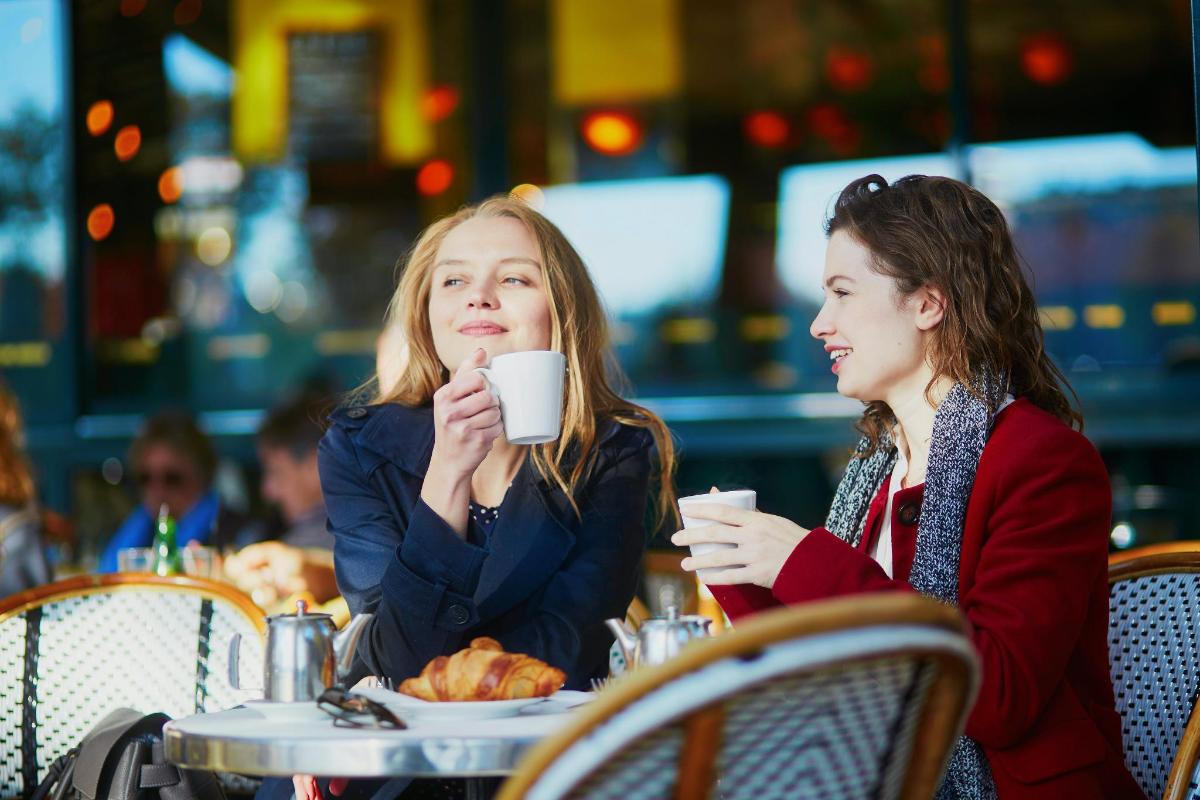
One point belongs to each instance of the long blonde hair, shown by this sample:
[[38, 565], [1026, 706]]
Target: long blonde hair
[[579, 330]]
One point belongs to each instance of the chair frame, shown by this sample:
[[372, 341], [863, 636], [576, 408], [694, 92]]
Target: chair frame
[[950, 695], [1160, 559], [82, 585]]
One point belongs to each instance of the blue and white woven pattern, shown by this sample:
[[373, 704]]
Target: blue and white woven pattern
[[800, 722], [1154, 658], [138, 648]]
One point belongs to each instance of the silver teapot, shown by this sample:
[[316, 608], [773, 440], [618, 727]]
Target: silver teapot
[[305, 654], [659, 638]]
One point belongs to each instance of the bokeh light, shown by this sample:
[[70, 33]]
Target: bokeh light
[[187, 12], [100, 221], [170, 184], [1046, 59], [131, 8], [439, 103], [99, 117], [213, 245], [848, 70], [435, 177], [612, 133], [128, 142], [767, 129]]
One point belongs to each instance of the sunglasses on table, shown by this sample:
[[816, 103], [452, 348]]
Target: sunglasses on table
[[355, 711]]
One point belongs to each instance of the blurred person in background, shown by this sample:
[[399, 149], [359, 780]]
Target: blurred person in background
[[173, 463], [301, 560], [23, 562]]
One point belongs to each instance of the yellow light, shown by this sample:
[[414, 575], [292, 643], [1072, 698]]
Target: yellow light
[[1057, 318], [128, 142], [1104, 316], [612, 133], [533, 197], [765, 328], [689, 330], [213, 246], [1177, 312], [99, 117], [100, 221]]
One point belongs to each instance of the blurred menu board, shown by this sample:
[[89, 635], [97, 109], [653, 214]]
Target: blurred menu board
[[333, 95]]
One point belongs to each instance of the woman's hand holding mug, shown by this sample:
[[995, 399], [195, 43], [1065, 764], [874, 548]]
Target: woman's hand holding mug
[[466, 418]]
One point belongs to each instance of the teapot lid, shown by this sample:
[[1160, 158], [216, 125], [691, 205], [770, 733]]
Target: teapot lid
[[673, 617], [302, 615]]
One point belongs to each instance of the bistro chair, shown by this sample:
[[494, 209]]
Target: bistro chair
[[1154, 658], [73, 650], [857, 697]]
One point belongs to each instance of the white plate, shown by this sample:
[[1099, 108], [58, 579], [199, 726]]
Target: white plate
[[274, 711], [408, 708]]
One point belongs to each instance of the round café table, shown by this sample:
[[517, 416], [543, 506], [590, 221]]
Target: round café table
[[284, 740]]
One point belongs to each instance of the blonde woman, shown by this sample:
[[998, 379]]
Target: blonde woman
[[442, 527]]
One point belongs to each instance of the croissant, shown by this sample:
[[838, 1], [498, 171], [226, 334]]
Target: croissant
[[484, 671]]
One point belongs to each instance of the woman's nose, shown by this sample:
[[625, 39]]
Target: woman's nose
[[481, 297], [821, 326]]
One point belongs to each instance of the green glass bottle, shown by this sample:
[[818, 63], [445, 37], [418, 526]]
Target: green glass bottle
[[166, 553]]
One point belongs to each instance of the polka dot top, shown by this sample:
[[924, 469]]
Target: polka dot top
[[484, 518]]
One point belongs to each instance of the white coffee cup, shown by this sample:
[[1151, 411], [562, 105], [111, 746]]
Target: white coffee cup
[[738, 498], [529, 386]]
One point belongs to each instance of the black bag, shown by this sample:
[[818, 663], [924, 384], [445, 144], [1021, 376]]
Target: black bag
[[122, 759]]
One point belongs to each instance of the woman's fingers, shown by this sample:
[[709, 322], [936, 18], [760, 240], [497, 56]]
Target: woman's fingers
[[709, 533], [719, 512], [337, 786], [306, 787], [467, 407], [725, 557], [729, 577]]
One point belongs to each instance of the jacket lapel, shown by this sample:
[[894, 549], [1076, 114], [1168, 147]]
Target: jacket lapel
[[528, 544]]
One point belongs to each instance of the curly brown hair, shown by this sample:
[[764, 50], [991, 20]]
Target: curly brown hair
[[924, 231], [16, 479]]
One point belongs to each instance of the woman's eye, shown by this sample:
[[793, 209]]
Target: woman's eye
[[840, 293], [452, 282], [513, 280]]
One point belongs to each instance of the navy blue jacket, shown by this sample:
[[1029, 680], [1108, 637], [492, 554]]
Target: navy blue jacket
[[543, 586]]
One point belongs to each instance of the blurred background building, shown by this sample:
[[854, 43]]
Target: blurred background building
[[202, 204]]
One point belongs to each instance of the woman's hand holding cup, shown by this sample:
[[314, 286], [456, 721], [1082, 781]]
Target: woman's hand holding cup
[[466, 418], [731, 542]]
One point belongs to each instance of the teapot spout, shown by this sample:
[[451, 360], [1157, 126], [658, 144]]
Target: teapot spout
[[626, 639], [345, 640]]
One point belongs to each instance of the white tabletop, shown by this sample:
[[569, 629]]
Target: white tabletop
[[286, 739]]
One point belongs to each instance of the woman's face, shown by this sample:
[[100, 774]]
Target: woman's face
[[487, 291], [875, 338]]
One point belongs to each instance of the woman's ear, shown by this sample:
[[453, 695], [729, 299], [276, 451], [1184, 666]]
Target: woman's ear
[[930, 308]]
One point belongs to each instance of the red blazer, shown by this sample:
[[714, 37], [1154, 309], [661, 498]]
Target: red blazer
[[1033, 584]]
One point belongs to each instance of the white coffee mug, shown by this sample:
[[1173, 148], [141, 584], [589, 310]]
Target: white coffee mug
[[739, 498], [529, 386]]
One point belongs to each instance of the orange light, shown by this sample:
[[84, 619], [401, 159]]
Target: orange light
[[99, 117], [187, 12], [128, 142], [1046, 59], [767, 128], [848, 70], [439, 103], [612, 133], [435, 177], [170, 184], [131, 8], [100, 221]]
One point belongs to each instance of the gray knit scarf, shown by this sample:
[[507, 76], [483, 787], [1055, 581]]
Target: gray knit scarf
[[960, 430]]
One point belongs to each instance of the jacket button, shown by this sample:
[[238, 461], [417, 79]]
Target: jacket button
[[459, 614], [356, 413], [910, 513]]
